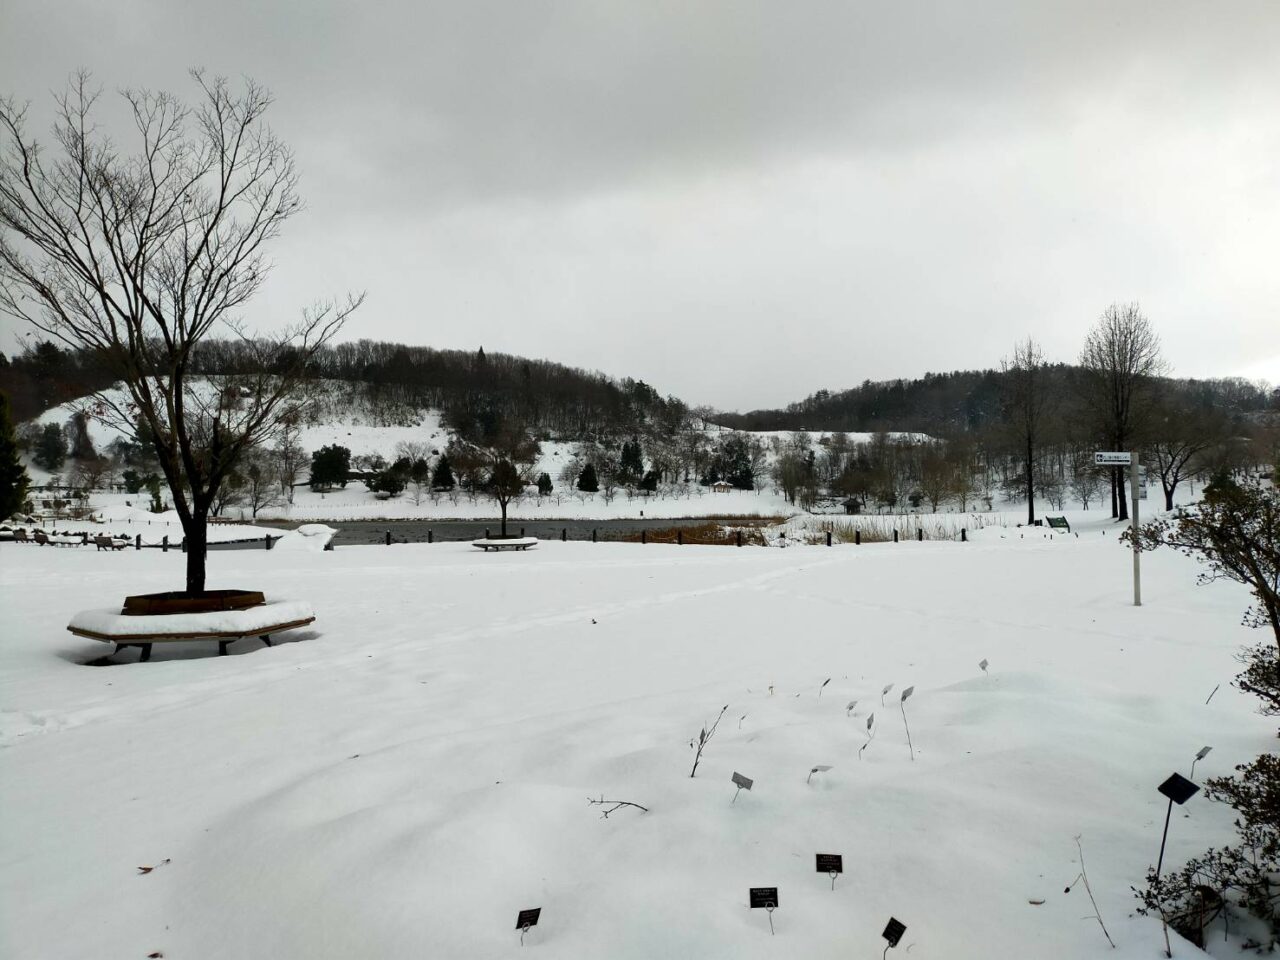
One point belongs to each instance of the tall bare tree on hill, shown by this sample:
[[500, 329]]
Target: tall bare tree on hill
[[1120, 361], [140, 257], [1027, 405]]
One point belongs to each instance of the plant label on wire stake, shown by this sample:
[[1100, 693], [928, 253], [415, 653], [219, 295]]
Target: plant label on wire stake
[[884, 693], [871, 734], [766, 898], [982, 665], [526, 919], [831, 864], [1200, 755], [824, 684], [893, 932], [742, 783], [902, 706], [848, 710], [820, 768]]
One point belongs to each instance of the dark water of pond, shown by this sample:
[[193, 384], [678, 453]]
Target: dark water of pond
[[356, 532]]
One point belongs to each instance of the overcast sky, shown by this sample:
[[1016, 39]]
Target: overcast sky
[[738, 202]]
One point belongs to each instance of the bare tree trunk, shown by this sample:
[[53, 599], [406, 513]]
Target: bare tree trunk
[[1031, 484], [197, 535]]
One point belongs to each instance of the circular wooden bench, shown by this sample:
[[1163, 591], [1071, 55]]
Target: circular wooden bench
[[224, 626]]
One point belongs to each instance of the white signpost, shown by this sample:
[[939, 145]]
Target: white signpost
[[1123, 458]]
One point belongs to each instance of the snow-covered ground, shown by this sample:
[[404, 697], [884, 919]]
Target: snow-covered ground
[[415, 769]]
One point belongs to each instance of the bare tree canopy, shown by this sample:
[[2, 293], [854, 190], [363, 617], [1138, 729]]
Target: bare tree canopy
[[138, 257], [1121, 361], [1027, 402]]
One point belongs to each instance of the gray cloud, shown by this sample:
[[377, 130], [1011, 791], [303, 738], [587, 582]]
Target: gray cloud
[[744, 202]]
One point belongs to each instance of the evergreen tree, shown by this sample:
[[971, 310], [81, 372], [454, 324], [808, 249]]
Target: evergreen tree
[[50, 448], [442, 479], [330, 465], [13, 475], [631, 462], [544, 484], [588, 482], [81, 442], [650, 481]]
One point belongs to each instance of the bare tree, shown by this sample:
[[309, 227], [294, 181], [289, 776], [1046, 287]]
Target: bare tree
[[1120, 361], [937, 475], [1027, 403], [1182, 438], [513, 454], [289, 459], [261, 472], [140, 257]]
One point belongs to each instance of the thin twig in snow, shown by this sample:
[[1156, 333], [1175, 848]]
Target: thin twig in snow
[[617, 805], [1085, 877]]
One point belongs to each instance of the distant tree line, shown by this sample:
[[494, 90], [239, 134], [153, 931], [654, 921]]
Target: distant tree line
[[966, 401], [44, 375]]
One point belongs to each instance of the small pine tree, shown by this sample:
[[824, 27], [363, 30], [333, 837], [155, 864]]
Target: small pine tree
[[588, 482], [50, 447], [13, 475], [649, 482], [544, 484], [442, 479]]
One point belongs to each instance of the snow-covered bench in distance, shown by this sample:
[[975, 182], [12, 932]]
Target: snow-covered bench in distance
[[505, 543], [225, 626]]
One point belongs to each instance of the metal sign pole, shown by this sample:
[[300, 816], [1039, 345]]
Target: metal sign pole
[[1133, 489]]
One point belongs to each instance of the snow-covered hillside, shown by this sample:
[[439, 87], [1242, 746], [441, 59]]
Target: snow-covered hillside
[[414, 770], [360, 432]]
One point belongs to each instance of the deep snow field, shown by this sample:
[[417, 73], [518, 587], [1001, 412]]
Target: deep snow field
[[413, 771]]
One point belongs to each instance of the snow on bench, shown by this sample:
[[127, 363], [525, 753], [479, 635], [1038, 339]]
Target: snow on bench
[[225, 626], [512, 543]]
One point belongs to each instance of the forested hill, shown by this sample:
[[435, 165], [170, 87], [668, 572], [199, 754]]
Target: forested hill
[[943, 404], [475, 390]]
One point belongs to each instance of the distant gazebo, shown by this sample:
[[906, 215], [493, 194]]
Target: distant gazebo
[[852, 505]]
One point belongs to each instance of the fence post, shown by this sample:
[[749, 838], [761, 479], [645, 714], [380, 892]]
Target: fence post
[[828, 538], [895, 534], [739, 538], [564, 534], [920, 534], [680, 538], [269, 543], [486, 533], [644, 536], [593, 534], [522, 533], [963, 537], [137, 542], [857, 538], [431, 537], [388, 538], [164, 544]]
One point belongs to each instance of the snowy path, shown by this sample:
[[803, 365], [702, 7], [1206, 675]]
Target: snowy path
[[415, 770]]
